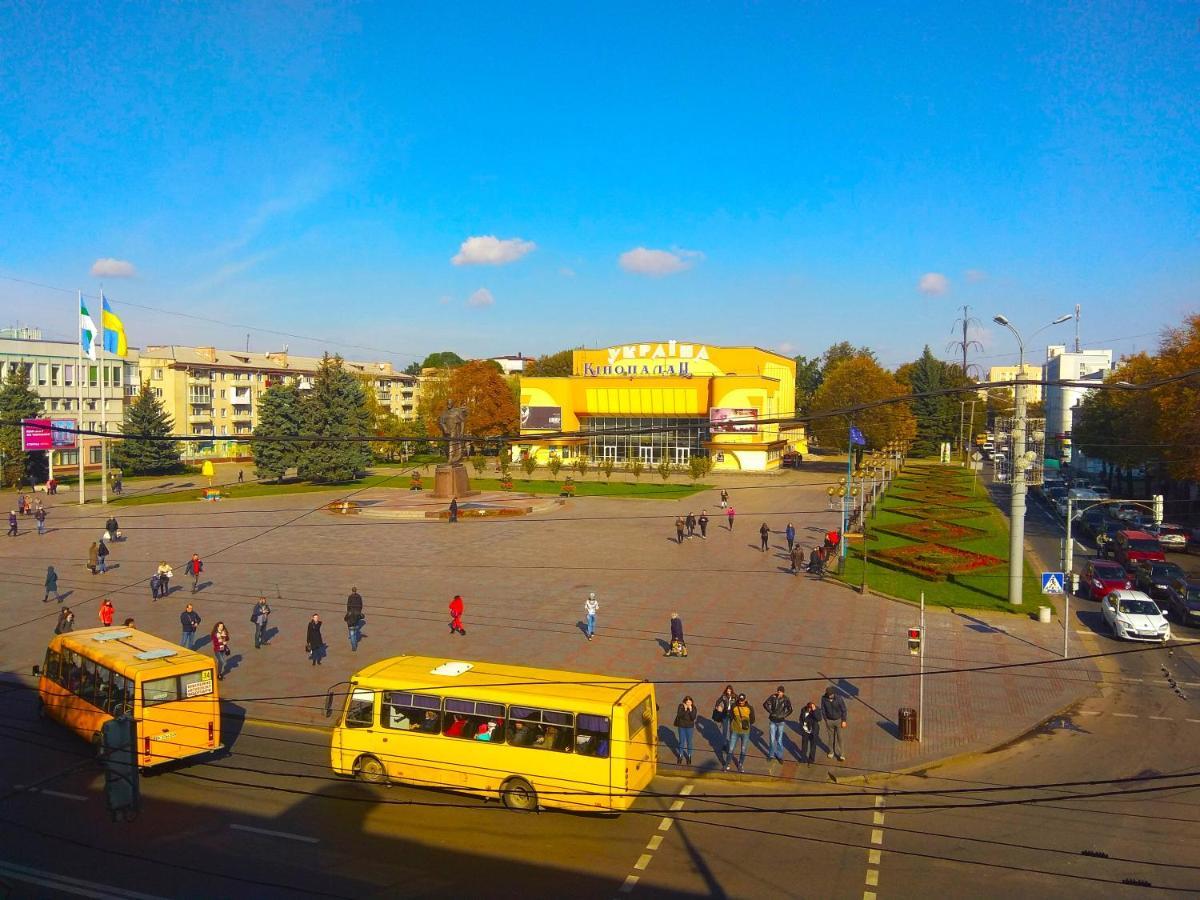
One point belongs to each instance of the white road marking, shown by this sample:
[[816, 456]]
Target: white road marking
[[67, 885], [665, 825], [655, 843], [286, 835], [1191, 720], [1162, 718], [1090, 712], [1125, 715], [643, 861], [629, 883], [37, 790]]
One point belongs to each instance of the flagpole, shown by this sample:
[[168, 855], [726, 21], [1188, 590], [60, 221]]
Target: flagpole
[[103, 412], [79, 386]]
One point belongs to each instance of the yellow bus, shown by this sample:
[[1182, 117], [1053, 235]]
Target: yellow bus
[[96, 674], [527, 736]]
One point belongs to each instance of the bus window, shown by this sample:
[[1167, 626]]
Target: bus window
[[542, 729], [640, 718], [160, 690], [196, 684], [50, 668], [87, 681], [475, 720], [72, 672], [122, 696], [593, 735], [412, 712], [360, 711], [103, 696]]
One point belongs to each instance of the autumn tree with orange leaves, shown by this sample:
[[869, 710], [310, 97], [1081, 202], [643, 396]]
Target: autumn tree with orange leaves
[[479, 386]]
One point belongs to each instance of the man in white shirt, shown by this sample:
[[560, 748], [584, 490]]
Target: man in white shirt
[[590, 607]]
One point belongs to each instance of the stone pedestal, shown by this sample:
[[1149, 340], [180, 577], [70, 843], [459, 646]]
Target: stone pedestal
[[450, 481]]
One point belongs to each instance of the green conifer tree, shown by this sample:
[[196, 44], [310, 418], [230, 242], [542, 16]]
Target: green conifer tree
[[18, 402], [149, 453], [334, 407], [278, 414]]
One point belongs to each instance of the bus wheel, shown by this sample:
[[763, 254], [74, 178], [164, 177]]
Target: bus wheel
[[371, 770], [518, 794]]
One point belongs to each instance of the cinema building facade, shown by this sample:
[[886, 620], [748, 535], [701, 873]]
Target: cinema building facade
[[665, 400]]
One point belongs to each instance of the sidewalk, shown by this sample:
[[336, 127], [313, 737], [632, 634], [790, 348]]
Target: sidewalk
[[748, 621]]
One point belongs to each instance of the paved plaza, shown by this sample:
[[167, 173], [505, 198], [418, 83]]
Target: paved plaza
[[748, 621]]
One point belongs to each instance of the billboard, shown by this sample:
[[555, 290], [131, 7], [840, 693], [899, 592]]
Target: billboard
[[48, 434], [727, 420], [549, 417]]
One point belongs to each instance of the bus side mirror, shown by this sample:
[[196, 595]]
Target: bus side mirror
[[329, 704], [37, 671]]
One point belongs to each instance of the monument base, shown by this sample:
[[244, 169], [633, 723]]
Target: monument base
[[450, 481]]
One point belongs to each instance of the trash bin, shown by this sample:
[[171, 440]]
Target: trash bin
[[908, 723], [1044, 615]]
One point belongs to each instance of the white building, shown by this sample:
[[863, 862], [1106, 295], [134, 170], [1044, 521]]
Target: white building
[[1061, 400], [511, 365]]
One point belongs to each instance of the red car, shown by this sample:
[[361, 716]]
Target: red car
[[1101, 578], [1132, 547]]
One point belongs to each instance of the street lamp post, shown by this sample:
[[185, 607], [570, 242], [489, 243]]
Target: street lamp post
[[1016, 524]]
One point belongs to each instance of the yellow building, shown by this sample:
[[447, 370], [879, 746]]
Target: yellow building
[[215, 393], [1033, 392], [667, 400]]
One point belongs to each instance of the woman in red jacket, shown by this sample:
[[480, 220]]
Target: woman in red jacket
[[456, 611]]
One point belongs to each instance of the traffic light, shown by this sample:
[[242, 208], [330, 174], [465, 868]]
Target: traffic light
[[122, 790], [914, 641]]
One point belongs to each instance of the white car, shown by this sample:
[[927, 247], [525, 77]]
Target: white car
[[1133, 616]]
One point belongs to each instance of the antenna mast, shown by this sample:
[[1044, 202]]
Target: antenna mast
[[1077, 328], [965, 344]]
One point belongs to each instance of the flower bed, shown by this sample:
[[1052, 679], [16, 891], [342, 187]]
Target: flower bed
[[934, 531], [936, 561], [942, 512]]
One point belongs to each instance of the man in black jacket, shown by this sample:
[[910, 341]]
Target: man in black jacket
[[810, 723], [354, 617], [833, 711], [779, 708]]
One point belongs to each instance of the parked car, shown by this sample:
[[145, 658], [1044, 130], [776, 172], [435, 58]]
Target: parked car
[[791, 460], [1132, 547], [1132, 616], [1153, 578], [1183, 600], [1101, 578], [1170, 537]]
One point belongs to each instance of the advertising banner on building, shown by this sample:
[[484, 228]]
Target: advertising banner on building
[[548, 417], [48, 434], [727, 419]]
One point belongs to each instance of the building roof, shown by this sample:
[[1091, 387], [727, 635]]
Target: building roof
[[273, 361], [44, 347]]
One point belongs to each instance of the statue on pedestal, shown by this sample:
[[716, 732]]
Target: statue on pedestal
[[450, 479], [453, 422]]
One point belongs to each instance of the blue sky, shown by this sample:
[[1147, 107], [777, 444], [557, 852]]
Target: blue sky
[[781, 174]]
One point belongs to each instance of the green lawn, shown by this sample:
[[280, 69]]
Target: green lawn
[[983, 589]]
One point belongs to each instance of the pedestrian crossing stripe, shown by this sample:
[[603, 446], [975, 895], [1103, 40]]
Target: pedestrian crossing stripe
[[1052, 582]]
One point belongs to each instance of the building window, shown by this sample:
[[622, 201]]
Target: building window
[[68, 375], [94, 454], [93, 376], [116, 376], [156, 374], [53, 405], [56, 375], [91, 405], [157, 392], [43, 374]]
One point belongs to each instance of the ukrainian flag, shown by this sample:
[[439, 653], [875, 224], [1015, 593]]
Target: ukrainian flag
[[114, 329]]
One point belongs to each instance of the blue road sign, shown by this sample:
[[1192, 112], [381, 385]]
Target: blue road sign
[[1052, 582]]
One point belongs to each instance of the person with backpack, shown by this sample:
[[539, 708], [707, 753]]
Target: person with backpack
[[259, 616], [354, 618], [194, 567], [741, 719], [721, 716], [778, 707]]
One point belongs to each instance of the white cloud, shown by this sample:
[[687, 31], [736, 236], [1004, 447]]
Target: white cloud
[[482, 297], [933, 283], [787, 349], [489, 250], [655, 263], [107, 267], [975, 275]]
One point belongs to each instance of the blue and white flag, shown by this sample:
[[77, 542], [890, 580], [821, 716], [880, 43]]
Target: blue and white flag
[[88, 332], [856, 437]]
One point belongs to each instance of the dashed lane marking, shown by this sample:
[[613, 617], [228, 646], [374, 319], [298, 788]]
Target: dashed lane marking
[[873, 877], [876, 835], [873, 857], [1162, 718], [1125, 715], [677, 806], [643, 861], [64, 884], [629, 884], [50, 793], [878, 818], [665, 825], [286, 835], [655, 843]]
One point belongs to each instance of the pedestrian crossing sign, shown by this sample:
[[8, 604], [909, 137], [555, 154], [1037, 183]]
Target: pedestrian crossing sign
[[1052, 582]]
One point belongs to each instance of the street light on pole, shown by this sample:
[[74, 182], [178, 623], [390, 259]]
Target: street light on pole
[[1016, 525]]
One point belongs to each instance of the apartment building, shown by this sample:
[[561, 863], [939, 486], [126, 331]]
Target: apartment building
[[214, 394], [56, 375]]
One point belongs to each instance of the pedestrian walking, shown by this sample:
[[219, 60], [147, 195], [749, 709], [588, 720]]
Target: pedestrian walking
[[833, 713], [724, 498], [797, 558], [12, 523], [93, 562], [741, 718], [778, 707], [52, 486], [764, 536], [220, 648], [721, 715], [815, 563], [21, 501], [790, 533], [106, 613], [703, 523], [194, 567], [314, 644], [679, 526], [685, 729], [729, 515], [241, 476], [165, 573], [155, 582], [39, 516], [690, 521], [810, 724], [677, 646], [101, 556], [456, 612], [454, 509], [590, 607], [51, 585], [66, 621], [259, 616], [189, 620], [354, 618], [111, 529]]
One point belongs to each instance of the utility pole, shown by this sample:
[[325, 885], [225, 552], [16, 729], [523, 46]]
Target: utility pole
[[1016, 524]]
